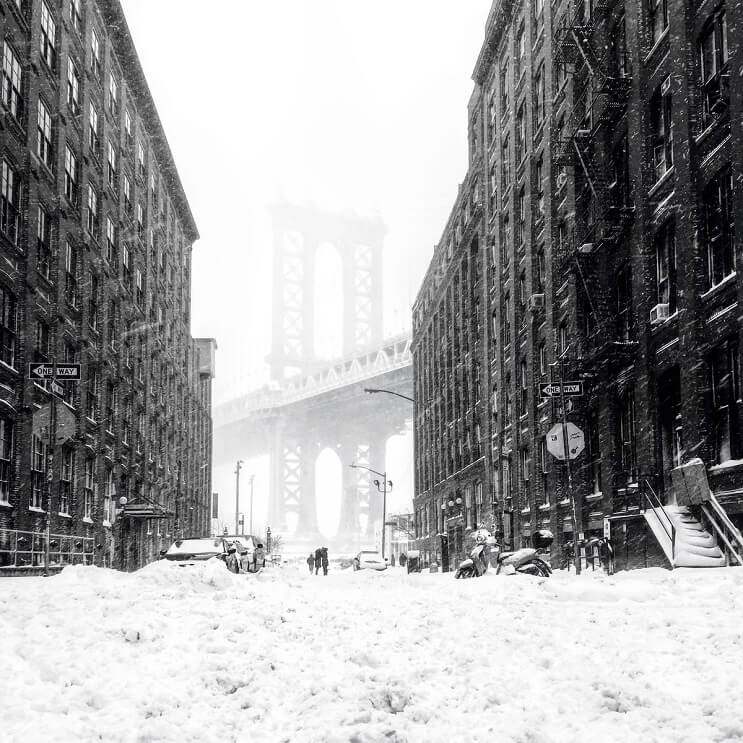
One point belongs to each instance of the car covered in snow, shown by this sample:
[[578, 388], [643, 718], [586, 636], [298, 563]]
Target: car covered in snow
[[369, 560], [192, 550]]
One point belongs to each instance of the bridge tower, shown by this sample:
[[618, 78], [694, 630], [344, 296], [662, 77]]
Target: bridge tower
[[298, 232]]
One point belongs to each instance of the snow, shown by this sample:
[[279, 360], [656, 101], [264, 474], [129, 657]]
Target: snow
[[196, 653]]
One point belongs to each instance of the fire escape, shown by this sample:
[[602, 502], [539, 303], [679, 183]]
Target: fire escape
[[590, 50]]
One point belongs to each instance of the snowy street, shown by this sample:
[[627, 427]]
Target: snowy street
[[199, 654]]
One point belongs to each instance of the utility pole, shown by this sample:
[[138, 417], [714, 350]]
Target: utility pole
[[237, 496], [569, 469]]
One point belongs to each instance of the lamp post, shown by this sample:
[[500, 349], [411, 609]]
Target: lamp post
[[237, 496], [373, 390], [385, 485]]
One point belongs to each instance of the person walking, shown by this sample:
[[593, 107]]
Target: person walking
[[402, 559], [324, 560], [311, 562], [318, 559], [259, 558]]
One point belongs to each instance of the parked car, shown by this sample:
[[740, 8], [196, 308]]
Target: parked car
[[190, 551], [370, 560]]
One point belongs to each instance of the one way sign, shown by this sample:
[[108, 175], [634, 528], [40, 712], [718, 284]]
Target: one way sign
[[52, 371], [569, 389]]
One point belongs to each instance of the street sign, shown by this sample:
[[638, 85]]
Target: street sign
[[569, 389], [555, 441], [57, 389], [47, 371]]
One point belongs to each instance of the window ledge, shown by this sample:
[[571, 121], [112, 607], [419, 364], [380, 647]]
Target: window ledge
[[107, 524], [564, 502], [729, 464], [667, 321], [594, 496], [36, 509], [729, 279], [8, 367], [671, 171], [87, 520], [658, 42], [64, 515], [525, 510], [5, 504], [544, 507]]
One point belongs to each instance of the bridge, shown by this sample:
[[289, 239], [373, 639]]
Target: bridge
[[311, 405]]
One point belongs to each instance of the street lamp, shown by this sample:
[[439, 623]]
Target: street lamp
[[373, 390], [385, 485], [237, 496]]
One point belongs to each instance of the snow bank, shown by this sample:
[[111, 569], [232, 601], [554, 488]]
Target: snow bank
[[196, 653]]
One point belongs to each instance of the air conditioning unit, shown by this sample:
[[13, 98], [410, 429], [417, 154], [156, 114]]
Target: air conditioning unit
[[536, 302], [586, 248], [659, 313]]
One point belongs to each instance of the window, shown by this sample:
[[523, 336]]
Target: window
[[521, 132], [110, 240], [524, 466], [43, 243], [10, 203], [6, 457], [113, 95], [48, 39], [719, 228], [73, 87], [507, 406], [522, 291], [111, 164], [92, 406], [66, 480], [538, 15], [665, 262], [111, 406], [12, 82], [44, 142], [619, 61], [139, 295], [542, 358], [70, 176], [504, 103], [95, 55], [92, 210], [544, 462], [8, 319], [93, 302], [140, 160], [541, 269], [714, 68], [128, 128], [76, 18], [727, 418], [627, 436], [539, 94], [658, 19], [562, 338], [127, 266], [524, 377], [505, 165], [619, 188], [71, 293], [111, 329], [519, 52], [507, 319], [89, 490], [127, 195], [140, 221], [69, 357], [41, 350], [38, 470], [661, 109], [506, 240], [493, 182], [109, 498], [521, 217]]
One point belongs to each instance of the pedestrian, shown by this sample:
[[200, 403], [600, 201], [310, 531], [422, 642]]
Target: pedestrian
[[392, 561], [318, 559], [324, 560], [311, 562], [259, 558], [232, 564], [245, 561], [402, 559]]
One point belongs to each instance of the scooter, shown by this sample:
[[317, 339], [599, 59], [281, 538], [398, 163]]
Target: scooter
[[526, 560]]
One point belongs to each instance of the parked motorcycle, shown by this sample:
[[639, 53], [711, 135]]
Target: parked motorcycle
[[526, 560]]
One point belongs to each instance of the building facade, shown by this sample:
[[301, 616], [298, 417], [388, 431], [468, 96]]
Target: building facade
[[606, 139], [95, 256]]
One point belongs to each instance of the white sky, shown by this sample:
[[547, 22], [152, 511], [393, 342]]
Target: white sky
[[341, 103]]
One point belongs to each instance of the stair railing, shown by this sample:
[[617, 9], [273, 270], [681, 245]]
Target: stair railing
[[724, 529], [666, 522]]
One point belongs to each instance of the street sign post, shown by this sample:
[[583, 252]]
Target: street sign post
[[555, 389], [556, 441]]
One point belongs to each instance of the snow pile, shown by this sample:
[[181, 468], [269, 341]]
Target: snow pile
[[196, 653]]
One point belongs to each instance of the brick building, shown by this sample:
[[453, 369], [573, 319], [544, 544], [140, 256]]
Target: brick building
[[605, 137], [95, 254]]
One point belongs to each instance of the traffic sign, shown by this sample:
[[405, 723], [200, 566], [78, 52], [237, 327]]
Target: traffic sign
[[556, 445], [569, 389], [47, 371]]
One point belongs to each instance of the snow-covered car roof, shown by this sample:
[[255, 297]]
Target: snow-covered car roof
[[196, 547]]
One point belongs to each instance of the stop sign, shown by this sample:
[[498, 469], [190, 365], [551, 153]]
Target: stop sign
[[556, 445]]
